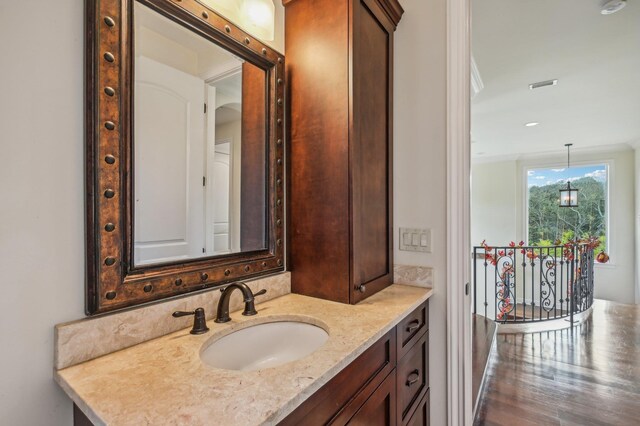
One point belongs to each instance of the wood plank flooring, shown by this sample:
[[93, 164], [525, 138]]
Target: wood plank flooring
[[588, 376], [521, 311], [483, 333]]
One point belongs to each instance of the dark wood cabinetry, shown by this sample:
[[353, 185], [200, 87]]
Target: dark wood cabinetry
[[380, 408], [420, 416], [380, 387], [413, 377], [337, 401], [387, 385], [340, 74]]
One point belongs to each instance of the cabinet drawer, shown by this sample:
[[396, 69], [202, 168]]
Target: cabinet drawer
[[420, 417], [380, 408], [410, 329], [338, 400], [413, 377]]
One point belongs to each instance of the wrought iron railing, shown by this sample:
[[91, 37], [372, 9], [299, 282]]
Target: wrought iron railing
[[523, 284]]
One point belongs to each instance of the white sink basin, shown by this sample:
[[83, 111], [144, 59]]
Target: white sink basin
[[264, 346]]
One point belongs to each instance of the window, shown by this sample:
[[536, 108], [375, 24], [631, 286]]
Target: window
[[548, 223]]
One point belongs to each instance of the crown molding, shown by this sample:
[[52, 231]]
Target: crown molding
[[495, 158], [393, 9], [634, 144], [553, 153]]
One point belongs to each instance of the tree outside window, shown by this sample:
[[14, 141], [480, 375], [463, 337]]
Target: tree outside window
[[550, 223]]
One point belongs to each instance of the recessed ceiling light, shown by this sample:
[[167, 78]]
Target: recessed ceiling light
[[612, 6], [531, 124], [545, 83]]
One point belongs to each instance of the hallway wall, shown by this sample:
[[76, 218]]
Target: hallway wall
[[494, 194], [419, 169]]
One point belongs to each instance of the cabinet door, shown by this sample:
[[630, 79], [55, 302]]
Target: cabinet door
[[337, 401], [380, 408], [413, 377], [371, 149], [421, 415]]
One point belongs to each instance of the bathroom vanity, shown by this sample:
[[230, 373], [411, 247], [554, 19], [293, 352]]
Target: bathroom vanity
[[187, 177], [374, 365]]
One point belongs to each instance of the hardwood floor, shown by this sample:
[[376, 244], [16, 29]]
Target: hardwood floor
[[483, 333], [520, 311], [588, 376]]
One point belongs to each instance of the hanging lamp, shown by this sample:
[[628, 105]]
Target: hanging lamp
[[568, 195]]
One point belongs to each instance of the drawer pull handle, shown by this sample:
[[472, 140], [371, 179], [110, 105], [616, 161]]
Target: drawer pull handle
[[413, 325], [413, 377]]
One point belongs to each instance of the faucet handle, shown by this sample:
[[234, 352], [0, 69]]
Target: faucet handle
[[260, 293], [249, 303], [178, 314], [199, 320]]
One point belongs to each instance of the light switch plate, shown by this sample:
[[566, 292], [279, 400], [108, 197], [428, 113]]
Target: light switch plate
[[414, 239]]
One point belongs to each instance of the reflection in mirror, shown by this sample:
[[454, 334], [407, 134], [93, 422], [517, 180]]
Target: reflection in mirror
[[200, 146]]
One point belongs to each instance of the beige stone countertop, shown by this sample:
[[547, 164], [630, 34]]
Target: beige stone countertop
[[163, 381]]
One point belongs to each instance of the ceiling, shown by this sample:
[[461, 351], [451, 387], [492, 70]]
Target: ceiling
[[595, 58], [209, 59]]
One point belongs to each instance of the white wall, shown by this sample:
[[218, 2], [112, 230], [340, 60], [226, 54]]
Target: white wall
[[637, 219], [42, 210], [420, 163], [42, 193], [616, 280], [493, 202]]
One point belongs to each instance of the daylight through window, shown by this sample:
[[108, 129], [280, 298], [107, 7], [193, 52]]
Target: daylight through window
[[549, 223]]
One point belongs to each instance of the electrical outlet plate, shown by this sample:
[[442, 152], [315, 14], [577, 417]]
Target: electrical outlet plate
[[414, 239]]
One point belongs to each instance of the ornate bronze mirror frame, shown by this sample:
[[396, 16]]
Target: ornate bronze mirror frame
[[113, 281]]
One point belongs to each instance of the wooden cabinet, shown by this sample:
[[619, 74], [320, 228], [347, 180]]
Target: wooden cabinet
[[380, 387], [338, 401], [413, 377], [340, 75], [380, 408], [420, 416]]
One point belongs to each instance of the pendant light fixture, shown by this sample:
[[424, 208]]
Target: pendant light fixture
[[568, 195]]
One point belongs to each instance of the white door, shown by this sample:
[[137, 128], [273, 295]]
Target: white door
[[169, 163], [222, 183]]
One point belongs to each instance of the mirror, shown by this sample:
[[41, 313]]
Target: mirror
[[185, 152], [192, 160]]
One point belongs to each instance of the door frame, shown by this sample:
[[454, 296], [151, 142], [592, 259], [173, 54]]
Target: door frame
[[232, 188], [459, 401], [209, 157]]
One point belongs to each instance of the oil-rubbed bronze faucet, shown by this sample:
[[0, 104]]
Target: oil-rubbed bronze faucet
[[199, 320], [223, 305]]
